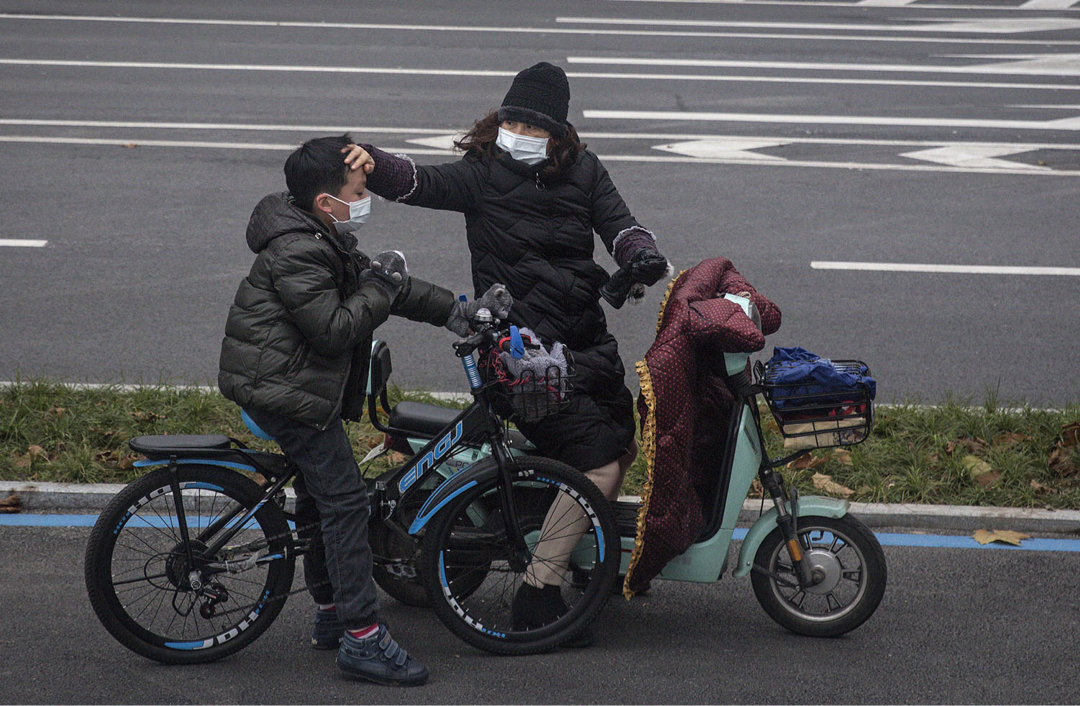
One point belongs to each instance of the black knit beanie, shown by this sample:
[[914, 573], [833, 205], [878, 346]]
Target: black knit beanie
[[540, 96]]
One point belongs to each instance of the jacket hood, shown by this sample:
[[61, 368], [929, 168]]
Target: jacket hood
[[277, 215]]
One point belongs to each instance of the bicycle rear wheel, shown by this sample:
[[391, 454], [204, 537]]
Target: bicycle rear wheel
[[470, 569], [173, 606]]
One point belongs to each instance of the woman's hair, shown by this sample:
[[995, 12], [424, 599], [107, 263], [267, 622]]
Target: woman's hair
[[563, 151]]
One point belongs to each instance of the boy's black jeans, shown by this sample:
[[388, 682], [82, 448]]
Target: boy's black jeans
[[331, 496]]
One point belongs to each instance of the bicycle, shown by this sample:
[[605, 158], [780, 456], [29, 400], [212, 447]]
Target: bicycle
[[194, 561]]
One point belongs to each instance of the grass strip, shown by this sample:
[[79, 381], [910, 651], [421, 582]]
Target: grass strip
[[951, 454]]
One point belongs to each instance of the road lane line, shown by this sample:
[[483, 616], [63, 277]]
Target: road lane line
[[946, 269], [14, 243], [865, 166], [533, 30], [988, 26], [811, 3], [606, 76], [657, 136], [1028, 65], [1048, 4], [1058, 124]]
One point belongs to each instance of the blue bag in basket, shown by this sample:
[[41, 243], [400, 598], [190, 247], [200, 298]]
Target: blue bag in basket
[[814, 375]]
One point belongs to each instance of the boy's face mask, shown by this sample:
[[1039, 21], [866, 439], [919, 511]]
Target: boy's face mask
[[530, 150], [359, 211]]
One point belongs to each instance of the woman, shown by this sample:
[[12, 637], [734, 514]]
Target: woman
[[532, 196]]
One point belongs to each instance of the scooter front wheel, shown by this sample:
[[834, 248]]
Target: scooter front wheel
[[848, 561]]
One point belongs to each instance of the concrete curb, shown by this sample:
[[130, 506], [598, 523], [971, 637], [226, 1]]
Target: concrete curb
[[68, 497]]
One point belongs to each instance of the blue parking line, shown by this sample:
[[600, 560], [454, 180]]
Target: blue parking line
[[887, 539]]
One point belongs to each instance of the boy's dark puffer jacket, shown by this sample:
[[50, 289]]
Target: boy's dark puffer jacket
[[298, 337]]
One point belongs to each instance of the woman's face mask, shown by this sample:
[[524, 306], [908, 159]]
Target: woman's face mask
[[531, 150], [359, 211]]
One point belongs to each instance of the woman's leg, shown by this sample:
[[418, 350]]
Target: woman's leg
[[565, 523]]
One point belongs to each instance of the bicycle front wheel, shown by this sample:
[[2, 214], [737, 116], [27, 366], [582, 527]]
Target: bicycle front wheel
[[473, 573], [154, 587]]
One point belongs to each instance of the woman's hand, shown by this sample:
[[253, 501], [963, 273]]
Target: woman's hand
[[358, 157]]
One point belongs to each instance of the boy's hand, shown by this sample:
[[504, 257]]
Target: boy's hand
[[497, 300], [389, 272], [358, 157]]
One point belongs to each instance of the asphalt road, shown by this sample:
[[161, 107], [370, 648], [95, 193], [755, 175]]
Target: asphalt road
[[777, 134], [955, 626]]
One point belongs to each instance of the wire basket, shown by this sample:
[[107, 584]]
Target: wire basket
[[528, 398], [813, 415]]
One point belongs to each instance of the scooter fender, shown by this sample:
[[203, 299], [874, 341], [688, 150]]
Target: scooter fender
[[809, 506], [454, 486]]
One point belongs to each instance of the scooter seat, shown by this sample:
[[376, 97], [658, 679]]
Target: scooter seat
[[172, 444], [421, 418]]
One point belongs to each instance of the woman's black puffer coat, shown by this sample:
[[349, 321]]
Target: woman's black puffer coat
[[536, 236]]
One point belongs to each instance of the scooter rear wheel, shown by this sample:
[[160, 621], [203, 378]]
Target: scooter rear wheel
[[849, 560]]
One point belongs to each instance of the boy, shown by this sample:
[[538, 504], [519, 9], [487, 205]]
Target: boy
[[295, 356]]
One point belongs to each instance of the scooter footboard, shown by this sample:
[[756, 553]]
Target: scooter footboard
[[809, 506]]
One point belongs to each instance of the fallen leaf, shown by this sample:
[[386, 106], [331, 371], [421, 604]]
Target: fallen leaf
[[129, 145], [987, 479], [756, 489], [805, 463], [842, 456], [373, 441], [826, 483], [1004, 536], [975, 466], [12, 503], [58, 411], [36, 451], [22, 462], [864, 490], [1061, 463], [126, 463], [1008, 438], [146, 416], [967, 443], [1070, 434], [397, 458], [1040, 488]]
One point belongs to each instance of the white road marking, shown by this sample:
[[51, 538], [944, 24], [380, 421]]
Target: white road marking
[[812, 3], [884, 3], [946, 269], [735, 148], [1031, 64], [442, 142], [984, 26], [1048, 65], [529, 30], [445, 133], [1048, 4], [1060, 124], [597, 75], [980, 156], [14, 243], [737, 160]]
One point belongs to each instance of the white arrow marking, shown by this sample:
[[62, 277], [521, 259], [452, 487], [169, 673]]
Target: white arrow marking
[[728, 148], [1030, 64], [974, 156], [442, 142]]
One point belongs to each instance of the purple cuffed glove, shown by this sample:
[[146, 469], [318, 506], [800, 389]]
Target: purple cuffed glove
[[637, 247]]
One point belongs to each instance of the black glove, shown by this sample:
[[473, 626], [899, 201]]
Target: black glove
[[497, 300], [389, 272], [647, 267]]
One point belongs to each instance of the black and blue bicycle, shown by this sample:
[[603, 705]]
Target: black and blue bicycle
[[195, 560]]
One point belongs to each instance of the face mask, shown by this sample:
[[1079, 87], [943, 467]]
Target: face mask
[[530, 150], [358, 214]]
